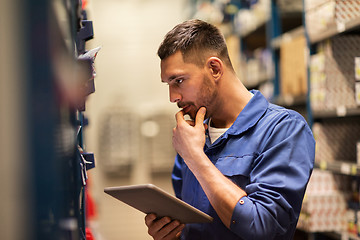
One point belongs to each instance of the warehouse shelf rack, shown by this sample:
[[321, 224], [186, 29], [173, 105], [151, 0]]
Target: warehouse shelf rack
[[291, 101], [288, 36], [280, 27], [54, 118], [335, 30], [340, 166], [339, 112], [346, 167]]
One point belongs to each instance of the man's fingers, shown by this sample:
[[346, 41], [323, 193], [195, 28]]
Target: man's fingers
[[170, 231], [200, 115], [179, 229], [179, 116], [155, 225], [163, 228], [176, 232], [149, 218]]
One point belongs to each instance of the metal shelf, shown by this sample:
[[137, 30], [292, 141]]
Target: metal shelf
[[339, 112], [340, 167], [334, 30], [290, 101]]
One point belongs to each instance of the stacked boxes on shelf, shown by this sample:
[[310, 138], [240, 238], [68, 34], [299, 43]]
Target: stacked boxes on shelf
[[336, 140], [332, 78], [324, 14], [257, 68], [325, 203], [256, 63], [317, 81], [319, 15], [248, 20]]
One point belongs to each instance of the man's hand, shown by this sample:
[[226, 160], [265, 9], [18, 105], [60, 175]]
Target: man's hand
[[189, 137], [163, 228]]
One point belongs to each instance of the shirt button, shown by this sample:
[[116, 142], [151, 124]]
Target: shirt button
[[241, 202], [233, 221]]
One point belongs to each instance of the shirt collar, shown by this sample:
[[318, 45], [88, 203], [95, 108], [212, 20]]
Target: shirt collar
[[249, 116]]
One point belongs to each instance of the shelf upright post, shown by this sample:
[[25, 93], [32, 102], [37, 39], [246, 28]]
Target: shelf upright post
[[42, 118], [273, 30], [242, 42], [51, 121], [310, 50]]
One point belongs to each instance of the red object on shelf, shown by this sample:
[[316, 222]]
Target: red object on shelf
[[89, 235], [90, 213], [84, 4]]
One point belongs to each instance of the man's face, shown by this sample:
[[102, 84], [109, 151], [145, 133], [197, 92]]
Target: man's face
[[190, 87]]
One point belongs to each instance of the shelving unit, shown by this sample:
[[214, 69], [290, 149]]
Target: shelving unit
[[336, 113], [280, 26], [335, 124], [55, 86], [339, 167], [335, 30]]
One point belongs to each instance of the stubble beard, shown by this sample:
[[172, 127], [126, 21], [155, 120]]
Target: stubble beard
[[207, 98]]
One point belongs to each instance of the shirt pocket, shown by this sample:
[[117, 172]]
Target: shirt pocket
[[236, 168]]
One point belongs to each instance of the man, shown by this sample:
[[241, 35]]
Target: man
[[243, 161]]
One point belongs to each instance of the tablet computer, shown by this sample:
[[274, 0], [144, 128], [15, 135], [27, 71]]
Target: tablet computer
[[149, 198]]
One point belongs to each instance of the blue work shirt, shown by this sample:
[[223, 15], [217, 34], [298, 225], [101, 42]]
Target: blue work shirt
[[269, 152]]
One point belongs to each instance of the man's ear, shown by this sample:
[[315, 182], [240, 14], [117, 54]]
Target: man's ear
[[216, 67]]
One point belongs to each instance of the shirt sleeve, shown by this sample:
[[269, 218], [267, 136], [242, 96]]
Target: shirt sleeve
[[177, 176], [278, 181]]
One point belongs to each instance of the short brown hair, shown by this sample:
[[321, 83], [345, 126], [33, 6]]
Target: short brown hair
[[196, 40]]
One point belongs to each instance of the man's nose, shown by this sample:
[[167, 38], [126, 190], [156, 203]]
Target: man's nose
[[175, 96]]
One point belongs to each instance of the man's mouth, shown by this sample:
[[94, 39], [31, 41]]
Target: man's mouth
[[186, 109]]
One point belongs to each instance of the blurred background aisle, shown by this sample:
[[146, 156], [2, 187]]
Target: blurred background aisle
[[129, 91]]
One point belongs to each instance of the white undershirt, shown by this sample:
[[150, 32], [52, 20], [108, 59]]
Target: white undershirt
[[215, 133]]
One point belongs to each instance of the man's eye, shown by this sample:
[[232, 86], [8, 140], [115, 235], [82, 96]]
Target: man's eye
[[178, 81]]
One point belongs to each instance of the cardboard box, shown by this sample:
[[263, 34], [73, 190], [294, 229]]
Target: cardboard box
[[320, 17], [340, 52], [336, 140], [357, 78], [293, 73], [346, 11], [357, 68], [311, 4], [317, 81], [332, 78], [357, 93]]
